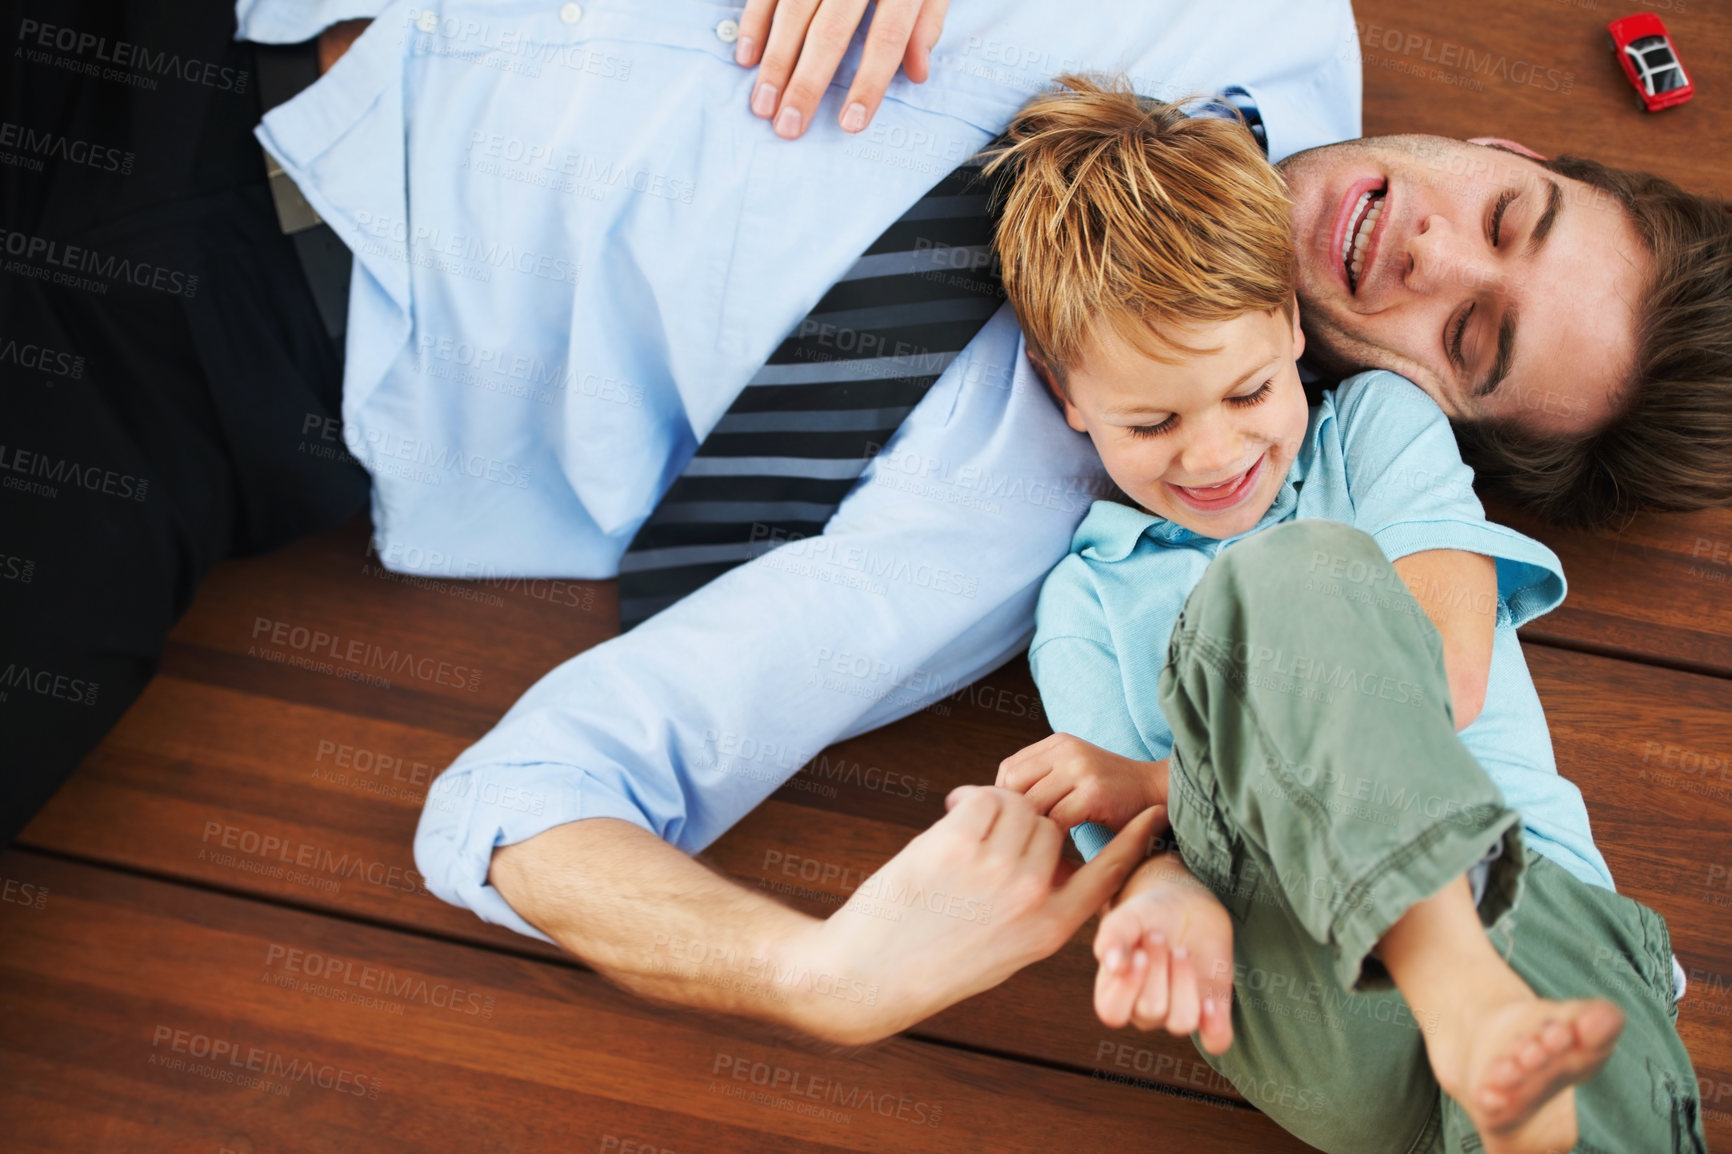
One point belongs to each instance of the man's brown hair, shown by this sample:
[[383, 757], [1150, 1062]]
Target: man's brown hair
[[1126, 210], [1670, 445]]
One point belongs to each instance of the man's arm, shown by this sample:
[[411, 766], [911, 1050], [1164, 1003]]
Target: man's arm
[[664, 927], [924, 580]]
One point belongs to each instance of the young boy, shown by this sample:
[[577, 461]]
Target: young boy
[[1334, 834]]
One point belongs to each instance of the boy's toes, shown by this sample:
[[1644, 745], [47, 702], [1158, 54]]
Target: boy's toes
[[1567, 1043]]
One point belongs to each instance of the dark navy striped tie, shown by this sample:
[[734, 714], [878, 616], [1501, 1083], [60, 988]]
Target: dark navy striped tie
[[803, 429]]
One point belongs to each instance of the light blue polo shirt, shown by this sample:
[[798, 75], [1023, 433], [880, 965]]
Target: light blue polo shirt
[[1378, 455]]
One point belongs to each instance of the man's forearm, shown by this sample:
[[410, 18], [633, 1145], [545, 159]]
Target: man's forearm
[[660, 924]]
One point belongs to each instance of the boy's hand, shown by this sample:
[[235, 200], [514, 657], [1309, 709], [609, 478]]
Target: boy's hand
[[1166, 957], [1071, 781]]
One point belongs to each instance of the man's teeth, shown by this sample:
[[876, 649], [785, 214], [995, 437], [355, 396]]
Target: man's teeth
[[1361, 223]]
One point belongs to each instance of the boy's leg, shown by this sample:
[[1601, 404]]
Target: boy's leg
[[1573, 940], [1318, 788]]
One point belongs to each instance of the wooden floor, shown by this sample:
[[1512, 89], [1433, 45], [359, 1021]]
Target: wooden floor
[[147, 967]]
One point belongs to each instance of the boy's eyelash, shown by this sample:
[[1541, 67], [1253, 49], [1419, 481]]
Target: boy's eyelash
[[1152, 430], [1256, 398], [1244, 402]]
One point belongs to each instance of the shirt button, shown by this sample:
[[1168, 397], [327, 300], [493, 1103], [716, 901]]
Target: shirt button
[[427, 22], [728, 31], [571, 13]]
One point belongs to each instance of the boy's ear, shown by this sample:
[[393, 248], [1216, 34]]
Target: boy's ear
[[1298, 331], [1071, 416]]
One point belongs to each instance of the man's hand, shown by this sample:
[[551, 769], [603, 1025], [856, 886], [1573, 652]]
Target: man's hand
[[802, 42], [1071, 781], [966, 904], [1166, 956]]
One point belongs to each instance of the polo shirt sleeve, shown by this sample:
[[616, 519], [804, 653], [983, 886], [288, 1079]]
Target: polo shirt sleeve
[[1076, 669], [1411, 491]]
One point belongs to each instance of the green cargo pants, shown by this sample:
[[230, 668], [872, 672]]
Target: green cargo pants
[[1318, 788]]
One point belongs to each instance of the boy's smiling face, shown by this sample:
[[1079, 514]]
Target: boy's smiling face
[[1206, 442]]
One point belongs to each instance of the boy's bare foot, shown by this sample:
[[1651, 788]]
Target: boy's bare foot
[[1512, 1060], [1508, 1057]]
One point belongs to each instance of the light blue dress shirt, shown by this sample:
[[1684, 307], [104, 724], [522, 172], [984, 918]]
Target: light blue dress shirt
[[1378, 455], [575, 245]]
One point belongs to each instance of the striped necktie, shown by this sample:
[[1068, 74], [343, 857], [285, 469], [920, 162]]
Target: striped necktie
[[803, 429]]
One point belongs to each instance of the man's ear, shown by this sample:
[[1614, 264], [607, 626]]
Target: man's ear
[[1505, 144]]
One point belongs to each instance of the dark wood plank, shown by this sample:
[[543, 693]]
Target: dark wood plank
[[1658, 589], [193, 754], [195, 766], [119, 988]]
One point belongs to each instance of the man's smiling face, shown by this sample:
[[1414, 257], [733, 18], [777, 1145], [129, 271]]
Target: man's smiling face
[[1502, 290]]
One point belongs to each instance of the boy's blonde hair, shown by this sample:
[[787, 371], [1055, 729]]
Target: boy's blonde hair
[[1126, 210]]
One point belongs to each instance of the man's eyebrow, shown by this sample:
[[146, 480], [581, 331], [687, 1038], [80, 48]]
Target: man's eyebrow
[[1543, 226], [1500, 365]]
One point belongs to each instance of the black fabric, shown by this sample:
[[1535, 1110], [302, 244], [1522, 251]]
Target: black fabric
[[148, 430]]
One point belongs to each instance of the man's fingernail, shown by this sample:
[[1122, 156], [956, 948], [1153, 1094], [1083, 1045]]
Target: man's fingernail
[[854, 117], [1115, 960], [764, 100], [743, 50], [1139, 960], [788, 123], [1181, 952]]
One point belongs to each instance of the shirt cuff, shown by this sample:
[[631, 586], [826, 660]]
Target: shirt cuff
[[471, 811], [1090, 838], [1530, 578]]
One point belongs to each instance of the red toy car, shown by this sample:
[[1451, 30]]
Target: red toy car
[[1650, 61]]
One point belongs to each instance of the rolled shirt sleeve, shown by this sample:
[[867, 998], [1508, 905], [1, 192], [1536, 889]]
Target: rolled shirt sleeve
[[925, 579]]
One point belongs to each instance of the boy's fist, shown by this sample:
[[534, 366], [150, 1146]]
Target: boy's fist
[[1166, 957], [1071, 781]]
